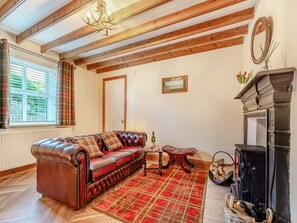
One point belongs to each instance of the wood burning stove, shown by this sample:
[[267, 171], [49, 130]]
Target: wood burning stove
[[251, 173], [269, 93]]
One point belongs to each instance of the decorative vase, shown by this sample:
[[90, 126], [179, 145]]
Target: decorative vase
[[241, 86]]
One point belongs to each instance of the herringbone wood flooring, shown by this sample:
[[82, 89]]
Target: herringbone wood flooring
[[21, 203]]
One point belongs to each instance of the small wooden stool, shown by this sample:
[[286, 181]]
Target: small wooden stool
[[179, 155]]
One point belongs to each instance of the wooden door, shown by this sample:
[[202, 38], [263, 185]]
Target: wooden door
[[114, 103]]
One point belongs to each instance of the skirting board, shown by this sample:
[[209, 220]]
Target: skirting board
[[18, 169], [199, 164]]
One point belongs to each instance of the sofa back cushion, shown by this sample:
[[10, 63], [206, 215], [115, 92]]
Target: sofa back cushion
[[111, 141], [90, 144], [132, 138]]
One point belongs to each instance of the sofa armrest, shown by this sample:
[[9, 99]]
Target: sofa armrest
[[57, 150], [132, 138], [62, 171]]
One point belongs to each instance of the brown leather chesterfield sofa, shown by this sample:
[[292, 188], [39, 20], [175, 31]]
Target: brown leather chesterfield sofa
[[67, 173]]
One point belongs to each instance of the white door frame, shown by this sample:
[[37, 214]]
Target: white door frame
[[125, 99]]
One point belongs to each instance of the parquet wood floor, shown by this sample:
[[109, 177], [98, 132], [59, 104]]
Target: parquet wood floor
[[21, 203]]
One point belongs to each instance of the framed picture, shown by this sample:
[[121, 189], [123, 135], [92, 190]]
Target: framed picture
[[175, 84]]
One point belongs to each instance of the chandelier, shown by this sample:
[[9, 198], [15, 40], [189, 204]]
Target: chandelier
[[100, 19]]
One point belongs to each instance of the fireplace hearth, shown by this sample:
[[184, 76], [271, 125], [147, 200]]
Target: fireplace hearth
[[268, 95]]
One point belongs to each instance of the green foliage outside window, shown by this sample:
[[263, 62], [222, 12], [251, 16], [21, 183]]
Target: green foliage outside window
[[16, 107], [15, 81], [32, 93], [36, 106]]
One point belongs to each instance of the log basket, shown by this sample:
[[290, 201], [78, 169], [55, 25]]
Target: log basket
[[234, 216], [228, 181]]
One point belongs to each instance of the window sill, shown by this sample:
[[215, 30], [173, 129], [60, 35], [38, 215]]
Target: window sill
[[25, 125], [35, 129]]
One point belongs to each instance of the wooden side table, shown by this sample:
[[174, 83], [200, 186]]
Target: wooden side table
[[154, 150]]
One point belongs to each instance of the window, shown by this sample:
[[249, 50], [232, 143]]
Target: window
[[33, 93]]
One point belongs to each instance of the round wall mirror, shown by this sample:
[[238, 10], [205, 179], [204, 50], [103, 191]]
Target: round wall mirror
[[261, 38]]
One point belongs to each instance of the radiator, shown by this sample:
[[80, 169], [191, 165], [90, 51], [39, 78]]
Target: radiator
[[15, 145]]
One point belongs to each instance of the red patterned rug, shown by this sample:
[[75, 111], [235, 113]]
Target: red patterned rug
[[173, 197]]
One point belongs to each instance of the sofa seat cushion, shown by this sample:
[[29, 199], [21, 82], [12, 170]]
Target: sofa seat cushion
[[101, 166], [120, 157], [135, 151]]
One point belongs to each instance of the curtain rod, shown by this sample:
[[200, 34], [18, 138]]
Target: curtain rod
[[33, 54]]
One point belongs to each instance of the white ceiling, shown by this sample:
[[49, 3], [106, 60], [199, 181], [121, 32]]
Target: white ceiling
[[140, 20], [32, 11], [29, 13]]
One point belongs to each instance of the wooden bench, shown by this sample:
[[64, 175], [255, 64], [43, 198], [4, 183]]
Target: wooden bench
[[179, 155]]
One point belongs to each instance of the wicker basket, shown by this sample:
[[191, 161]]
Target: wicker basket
[[234, 216]]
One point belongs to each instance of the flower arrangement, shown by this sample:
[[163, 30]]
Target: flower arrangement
[[244, 77]]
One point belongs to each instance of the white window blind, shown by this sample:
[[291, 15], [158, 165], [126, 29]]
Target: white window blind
[[33, 93]]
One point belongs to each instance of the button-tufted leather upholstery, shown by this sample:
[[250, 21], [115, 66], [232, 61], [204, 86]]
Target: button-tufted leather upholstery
[[132, 138], [66, 173], [57, 150]]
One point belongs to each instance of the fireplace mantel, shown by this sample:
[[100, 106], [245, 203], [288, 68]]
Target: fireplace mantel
[[269, 92], [260, 75]]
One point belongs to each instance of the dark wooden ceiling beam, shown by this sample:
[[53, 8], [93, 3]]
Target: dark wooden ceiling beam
[[188, 44], [188, 31], [182, 15], [59, 15], [199, 49], [9, 7], [119, 16]]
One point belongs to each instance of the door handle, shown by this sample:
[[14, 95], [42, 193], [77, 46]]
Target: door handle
[[122, 121]]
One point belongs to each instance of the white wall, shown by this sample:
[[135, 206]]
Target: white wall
[[284, 18], [206, 117], [87, 102], [87, 95], [87, 91]]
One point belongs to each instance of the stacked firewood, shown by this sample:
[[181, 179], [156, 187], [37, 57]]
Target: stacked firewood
[[221, 171]]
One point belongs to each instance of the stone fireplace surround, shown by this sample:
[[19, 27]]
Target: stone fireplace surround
[[269, 94]]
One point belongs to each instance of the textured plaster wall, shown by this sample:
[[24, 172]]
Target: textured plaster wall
[[206, 117]]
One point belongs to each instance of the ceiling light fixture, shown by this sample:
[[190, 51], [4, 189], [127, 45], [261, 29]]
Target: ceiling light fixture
[[100, 19]]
